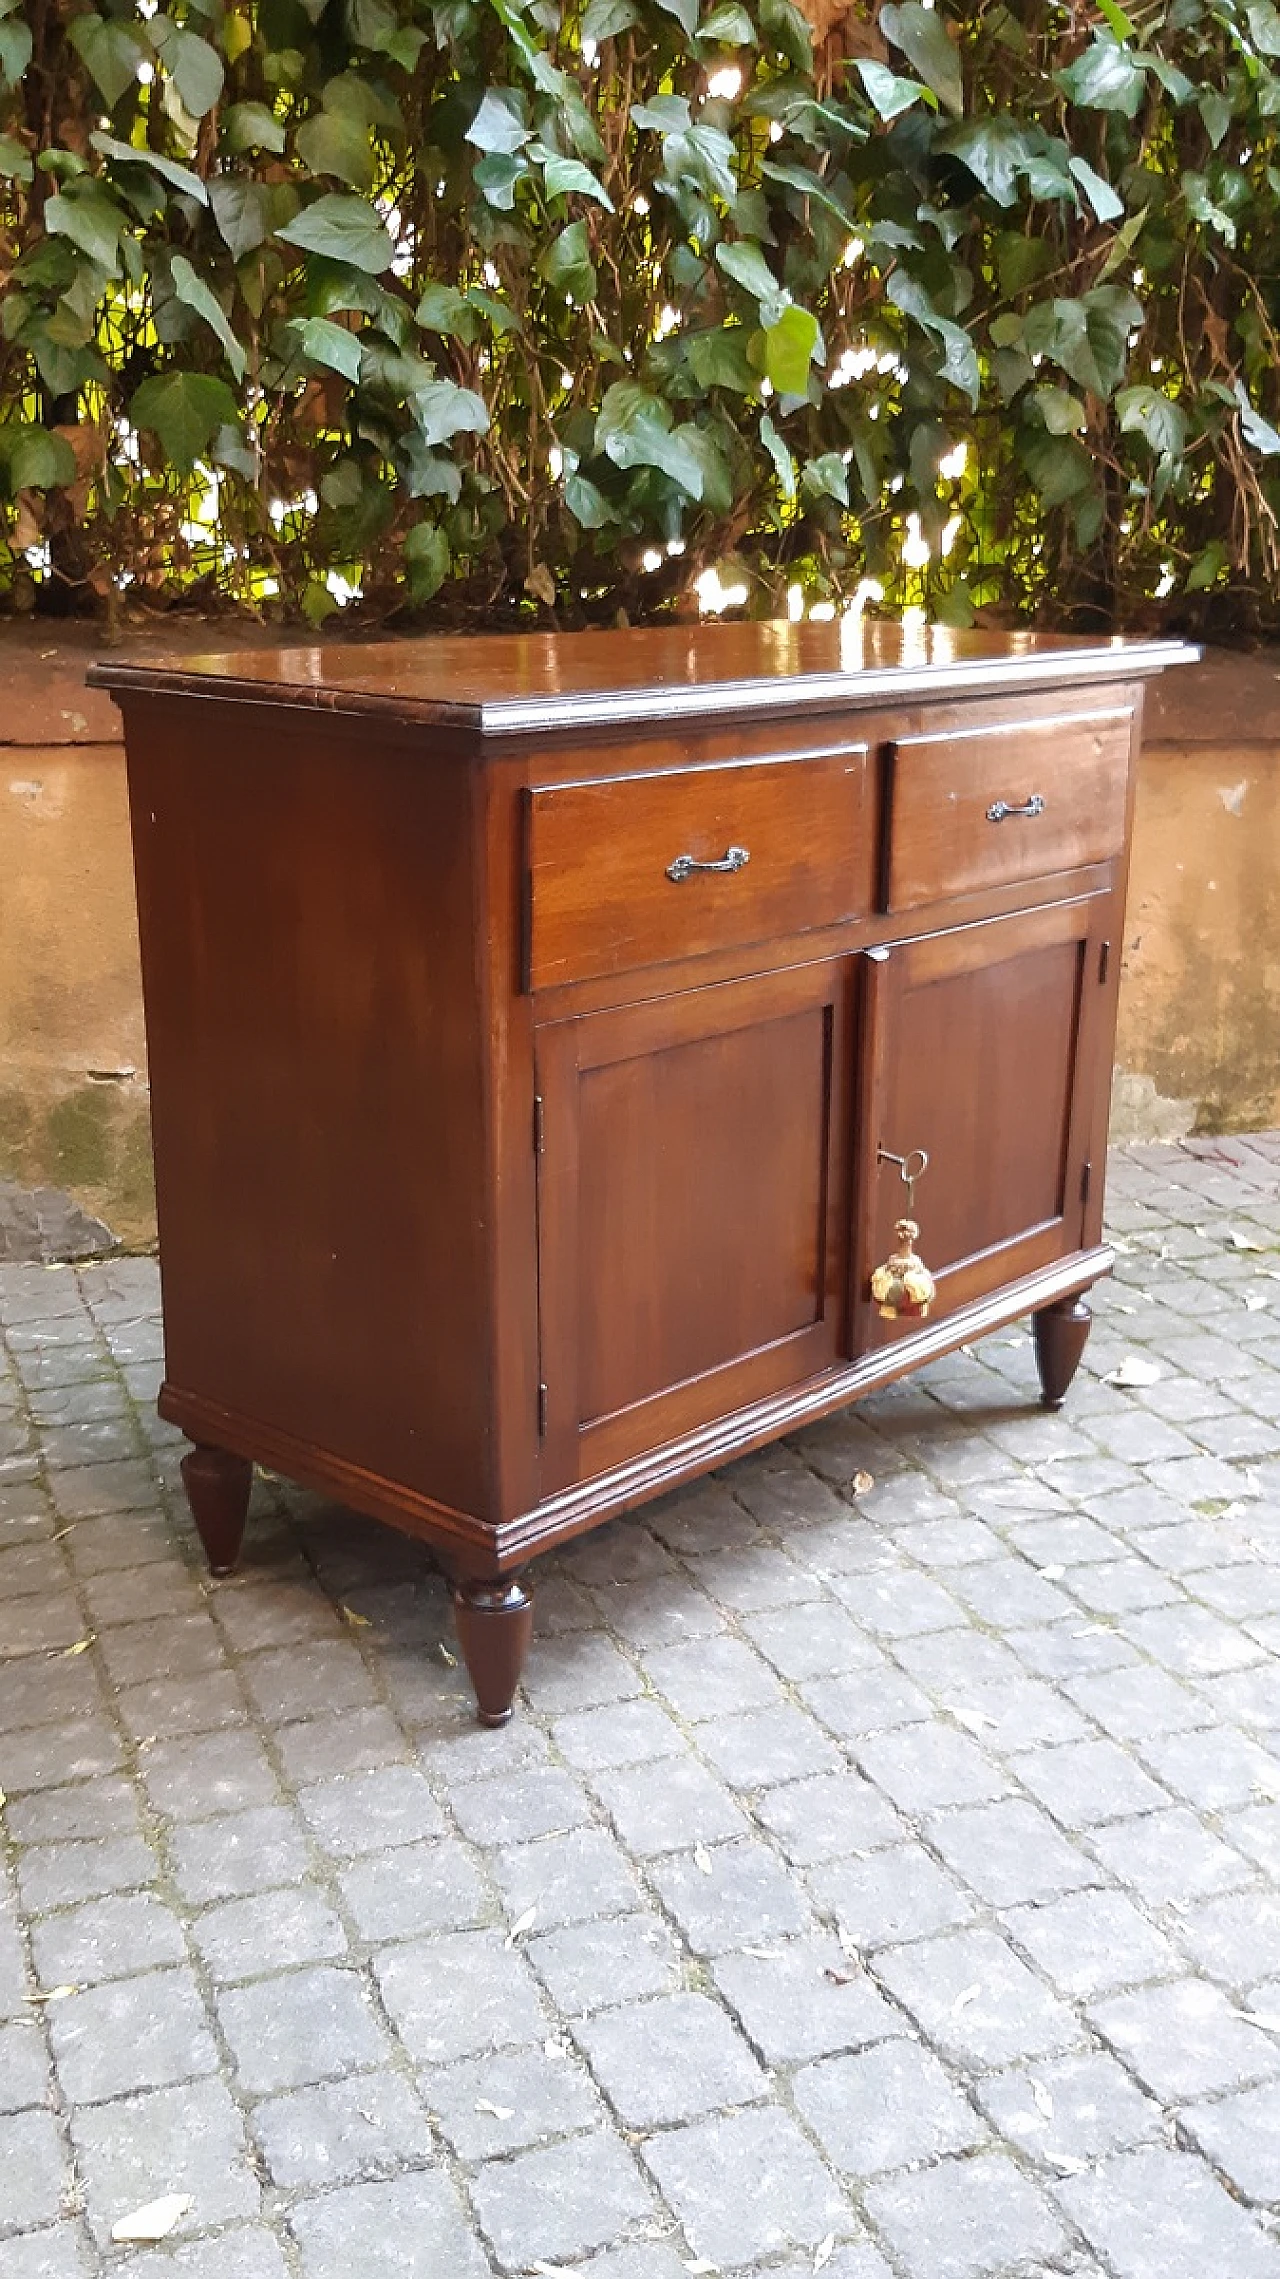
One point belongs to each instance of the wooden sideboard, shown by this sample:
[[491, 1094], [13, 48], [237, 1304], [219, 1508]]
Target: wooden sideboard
[[532, 1021]]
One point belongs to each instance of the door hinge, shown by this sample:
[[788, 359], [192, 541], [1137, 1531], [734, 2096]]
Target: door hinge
[[1104, 962], [542, 1412], [538, 1132], [1086, 1175]]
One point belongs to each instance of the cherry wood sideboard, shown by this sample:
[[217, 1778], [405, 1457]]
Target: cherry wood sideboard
[[534, 1021]]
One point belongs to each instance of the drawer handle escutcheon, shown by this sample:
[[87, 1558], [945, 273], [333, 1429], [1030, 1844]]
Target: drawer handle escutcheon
[[1002, 810], [684, 866]]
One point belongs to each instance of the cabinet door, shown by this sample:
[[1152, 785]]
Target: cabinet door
[[693, 1213], [982, 1046]]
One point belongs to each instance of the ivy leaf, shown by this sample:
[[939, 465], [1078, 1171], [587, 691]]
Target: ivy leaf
[[719, 359], [1100, 194], [426, 550], [728, 26], [128, 154], [343, 229], [185, 410], [922, 36], [826, 477], [251, 126], [445, 310], [110, 52], [746, 264], [242, 211], [809, 184], [499, 123], [33, 459], [567, 264], [1215, 110], [562, 175], [790, 346], [1104, 78], [91, 220], [1062, 413], [1161, 422], [335, 142], [603, 19], [784, 464], [633, 430], [1058, 465], [1117, 19], [15, 160], [16, 44], [443, 410], [196, 69], [193, 292], [960, 358], [994, 150], [1257, 432], [497, 176], [788, 31], [1089, 338], [1264, 27], [587, 503], [685, 13], [889, 94]]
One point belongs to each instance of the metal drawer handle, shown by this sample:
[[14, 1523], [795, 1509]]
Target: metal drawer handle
[[1002, 809], [684, 866]]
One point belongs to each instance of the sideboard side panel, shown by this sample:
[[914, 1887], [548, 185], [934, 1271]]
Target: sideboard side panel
[[307, 907]]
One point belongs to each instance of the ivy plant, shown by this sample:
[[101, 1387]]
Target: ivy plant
[[500, 311]]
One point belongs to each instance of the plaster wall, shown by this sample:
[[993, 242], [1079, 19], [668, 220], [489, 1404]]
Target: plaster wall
[[1199, 1039]]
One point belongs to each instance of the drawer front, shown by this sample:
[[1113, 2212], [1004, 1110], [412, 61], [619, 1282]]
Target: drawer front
[[995, 805], [643, 869]]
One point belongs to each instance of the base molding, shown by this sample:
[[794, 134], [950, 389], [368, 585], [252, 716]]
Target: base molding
[[489, 1550]]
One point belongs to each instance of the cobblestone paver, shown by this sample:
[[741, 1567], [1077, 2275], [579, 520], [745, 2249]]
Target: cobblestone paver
[[879, 1880]]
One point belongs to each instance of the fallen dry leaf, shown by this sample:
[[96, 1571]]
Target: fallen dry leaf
[[826, 2249], [357, 1621], [156, 2220], [55, 1994], [81, 1646], [839, 1977], [1053, 1574], [962, 2001], [522, 1924], [862, 1483], [1135, 1369], [700, 2266], [498, 2112], [1044, 2101], [1242, 1241], [1255, 1301], [450, 1660], [702, 1858]]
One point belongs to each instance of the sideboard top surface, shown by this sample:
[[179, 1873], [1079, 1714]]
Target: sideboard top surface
[[522, 683]]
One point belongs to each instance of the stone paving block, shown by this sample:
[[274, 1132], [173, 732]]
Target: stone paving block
[[890, 1896], [57, 1875], [713, 1678], [620, 1733], [1234, 1939], [352, 1741], [138, 1652], [1246, 1697], [1186, 2040], [1170, 1858], [46, 1756], [405, 2227], [733, 1896], [104, 1807], [215, 1773], [371, 1811], [591, 1966], [966, 2219], [746, 2187], [293, 1682], [1091, 1942], [664, 1806], [120, 1542], [1009, 1852], [31, 1570], [138, 1595], [293, 1611], [304, 2026], [947, 1661], [543, 1802], [1011, 1593], [511, 2100], [1070, 2110], [58, 2253], [924, 1768], [14, 1984], [35, 2172], [814, 1640], [558, 2201], [866, 1701], [576, 1672], [755, 1578], [456, 1996], [168, 1708], [1120, 1586], [1015, 1714], [852, 2261], [1089, 1782], [39, 1692], [24, 2066], [1062, 1650], [804, 1998], [1256, 1833], [82, 1492], [566, 1879], [137, 2033], [247, 1938], [1240, 2137], [187, 2140], [1134, 1705], [1162, 2215], [769, 1746], [238, 1853], [888, 2107], [643, 2262], [660, 1613], [110, 1938], [976, 2001], [1191, 1641], [342, 2132], [828, 1817], [670, 2060], [417, 1888]]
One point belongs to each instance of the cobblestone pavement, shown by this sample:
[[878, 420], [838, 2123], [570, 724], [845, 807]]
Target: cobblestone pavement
[[876, 1879]]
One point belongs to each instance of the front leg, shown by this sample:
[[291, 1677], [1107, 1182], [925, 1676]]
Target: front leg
[[494, 1622], [218, 1486], [1061, 1333]]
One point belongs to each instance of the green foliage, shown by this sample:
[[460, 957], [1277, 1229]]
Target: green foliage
[[538, 311]]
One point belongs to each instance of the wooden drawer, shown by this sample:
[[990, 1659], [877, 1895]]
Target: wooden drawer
[[989, 806], [614, 878]]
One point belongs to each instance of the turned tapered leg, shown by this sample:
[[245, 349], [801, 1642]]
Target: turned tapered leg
[[1061, 1335], [217, 1488], [494, 1622]]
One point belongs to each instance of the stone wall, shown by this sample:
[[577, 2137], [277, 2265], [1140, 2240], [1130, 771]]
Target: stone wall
[[1199, 1043]]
